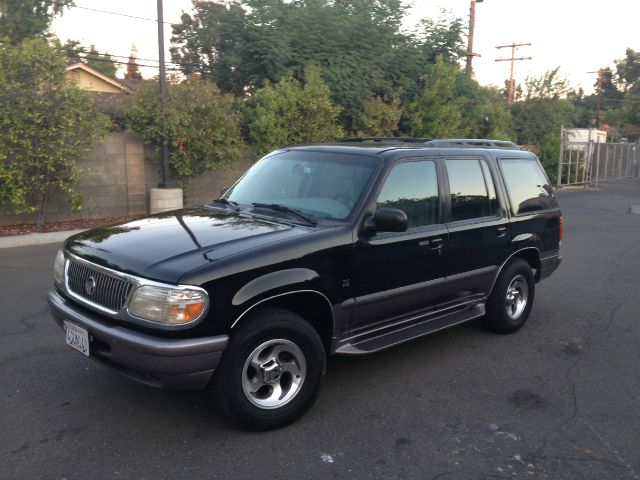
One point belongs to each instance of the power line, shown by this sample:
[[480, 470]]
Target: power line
[[86, 54], [116, 13], [106, 60]]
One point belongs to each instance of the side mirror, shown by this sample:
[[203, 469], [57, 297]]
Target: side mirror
[[224, 190], [387, 220]]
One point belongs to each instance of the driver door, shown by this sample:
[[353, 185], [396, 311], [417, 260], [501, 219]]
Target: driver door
[[397, 275]]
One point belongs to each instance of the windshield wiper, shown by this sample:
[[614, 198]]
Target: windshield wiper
[[283, 208], [230, 203]]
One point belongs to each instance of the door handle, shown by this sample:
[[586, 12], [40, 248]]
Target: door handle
[[436, 244], [501, 231]]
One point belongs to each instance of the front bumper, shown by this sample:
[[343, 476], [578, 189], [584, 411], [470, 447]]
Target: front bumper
[[155, 361]]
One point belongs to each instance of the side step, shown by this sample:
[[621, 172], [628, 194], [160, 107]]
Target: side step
[[380, 340]]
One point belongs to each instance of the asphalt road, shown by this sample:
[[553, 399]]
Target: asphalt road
[[560, 399]]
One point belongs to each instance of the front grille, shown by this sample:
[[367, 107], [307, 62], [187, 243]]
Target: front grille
[[110, 292]]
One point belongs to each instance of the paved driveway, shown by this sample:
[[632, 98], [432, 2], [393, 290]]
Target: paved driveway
[[560, 399]]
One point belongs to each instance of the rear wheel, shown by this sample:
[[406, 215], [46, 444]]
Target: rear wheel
[[271, 371], [512, 298]]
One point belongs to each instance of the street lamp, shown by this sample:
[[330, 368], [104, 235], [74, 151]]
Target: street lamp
[[472, 26]]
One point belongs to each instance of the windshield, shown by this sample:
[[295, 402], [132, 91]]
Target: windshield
[[323, 185]]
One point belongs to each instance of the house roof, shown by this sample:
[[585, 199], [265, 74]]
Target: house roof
[[92, 71]]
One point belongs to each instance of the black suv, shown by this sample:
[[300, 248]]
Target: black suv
[[321, 249]]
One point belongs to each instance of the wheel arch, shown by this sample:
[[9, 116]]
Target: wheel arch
[[312, 305], [531, 255]]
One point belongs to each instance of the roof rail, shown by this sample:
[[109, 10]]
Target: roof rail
[[473, 143], [385, 139]]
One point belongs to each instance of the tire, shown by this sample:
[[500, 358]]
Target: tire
[[271, 372], [512, 297]]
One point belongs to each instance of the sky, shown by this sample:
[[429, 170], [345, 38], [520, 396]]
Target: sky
[[579, 36]]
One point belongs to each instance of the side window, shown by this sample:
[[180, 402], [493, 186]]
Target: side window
[[473, 194], [527, 185], [413, 188]]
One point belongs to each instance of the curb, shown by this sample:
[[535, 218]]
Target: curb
[[35, 239]]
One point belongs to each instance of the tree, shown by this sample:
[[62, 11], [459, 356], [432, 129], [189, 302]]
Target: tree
[[133, 70], [102, 62], [211, 42], [22, 19], [537, 119], [200, 125], [628, 69], [378, 118], [288, 113], [438, 112], [74, 51], [443, 36], [543, 110], [359, 44], [549, 86], [485, 114], [47, 124]]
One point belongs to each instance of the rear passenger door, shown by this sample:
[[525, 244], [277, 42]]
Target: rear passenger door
[[399, 274], [477, 224]]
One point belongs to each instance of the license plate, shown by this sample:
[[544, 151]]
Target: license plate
[[77, 337]]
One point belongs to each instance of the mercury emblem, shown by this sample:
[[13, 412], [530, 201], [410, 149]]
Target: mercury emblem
[[90, 285]]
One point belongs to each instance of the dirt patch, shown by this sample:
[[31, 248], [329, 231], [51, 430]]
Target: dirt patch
[[26, 228]]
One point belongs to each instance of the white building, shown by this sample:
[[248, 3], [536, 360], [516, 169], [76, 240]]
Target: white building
[[585, 135]]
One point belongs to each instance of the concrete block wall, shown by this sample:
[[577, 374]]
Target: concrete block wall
[[206, 187], [116, 178]]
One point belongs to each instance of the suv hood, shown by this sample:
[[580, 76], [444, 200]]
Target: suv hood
[[167, 245]]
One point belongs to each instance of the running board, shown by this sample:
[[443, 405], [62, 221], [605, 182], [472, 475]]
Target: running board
[[381, 340]]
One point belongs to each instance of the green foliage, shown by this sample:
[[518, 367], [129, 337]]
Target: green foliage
[[75, 52], [538, 118], [443, 36], [288, 112], [628, 69], [549, 86], [199, 123], [378, 118], [211, 42], [549, 152], [543, 111], [438, 112], [102, 62], [485, 114], [535, 118], [46, 125], [22, 19], [359, 44]]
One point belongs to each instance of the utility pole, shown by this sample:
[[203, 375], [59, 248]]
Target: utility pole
[[598, 95], [472, 27], [513, 59], [166, 183]]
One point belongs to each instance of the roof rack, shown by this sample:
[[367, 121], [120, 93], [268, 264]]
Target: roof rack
[[473, 143], [385, 139], [445, 142]]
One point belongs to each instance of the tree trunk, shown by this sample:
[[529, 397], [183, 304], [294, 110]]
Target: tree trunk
[[40, 214]]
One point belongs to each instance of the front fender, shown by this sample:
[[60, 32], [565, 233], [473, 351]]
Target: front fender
[[274, 281]]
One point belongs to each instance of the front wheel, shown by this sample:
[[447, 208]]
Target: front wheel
[[271, 371], [512, 297]]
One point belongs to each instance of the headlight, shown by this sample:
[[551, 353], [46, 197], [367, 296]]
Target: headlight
[[172, 306], [58, 268]]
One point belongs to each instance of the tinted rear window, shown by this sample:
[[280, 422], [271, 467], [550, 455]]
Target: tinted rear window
[[527, 185], [471, 189]]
